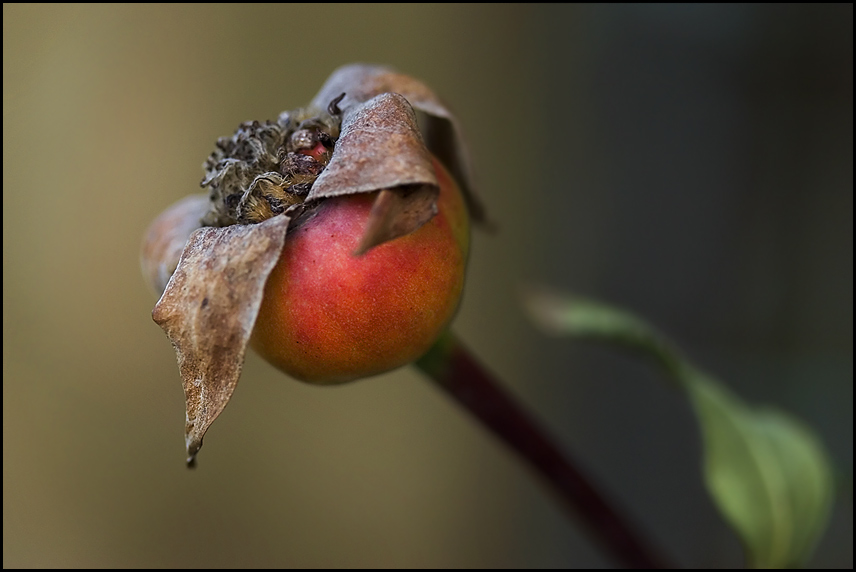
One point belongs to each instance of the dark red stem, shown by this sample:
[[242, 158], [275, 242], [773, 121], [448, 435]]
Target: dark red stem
[[455, 370]]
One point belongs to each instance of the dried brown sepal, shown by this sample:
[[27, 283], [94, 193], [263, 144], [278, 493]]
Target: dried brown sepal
[[443, 134], [397, 213], [166, 237], [208, 311], [381, 148]]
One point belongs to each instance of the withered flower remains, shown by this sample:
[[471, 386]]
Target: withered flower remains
[[333, 240]]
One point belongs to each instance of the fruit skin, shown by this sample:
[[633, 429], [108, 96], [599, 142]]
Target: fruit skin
[[329, 317]]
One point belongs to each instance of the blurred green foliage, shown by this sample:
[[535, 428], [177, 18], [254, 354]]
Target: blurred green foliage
[[768, 473]]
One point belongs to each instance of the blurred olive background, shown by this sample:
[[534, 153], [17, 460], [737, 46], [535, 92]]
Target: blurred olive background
[[692, 163]]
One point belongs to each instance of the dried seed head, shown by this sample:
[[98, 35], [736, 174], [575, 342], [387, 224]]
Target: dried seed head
[[264, 168], [268, 179]]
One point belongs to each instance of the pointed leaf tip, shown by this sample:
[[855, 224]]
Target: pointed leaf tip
[[397, 213]]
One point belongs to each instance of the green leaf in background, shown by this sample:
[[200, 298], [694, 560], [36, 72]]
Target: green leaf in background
[[767, 472]]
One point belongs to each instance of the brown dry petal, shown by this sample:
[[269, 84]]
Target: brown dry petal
[[397, 213], [443, 134], [208, 311], [380, 148], [166, 237]]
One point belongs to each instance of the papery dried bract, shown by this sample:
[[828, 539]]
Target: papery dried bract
[[208, 311], [166, 238], [443, 134], [381, 148], [397, 213]]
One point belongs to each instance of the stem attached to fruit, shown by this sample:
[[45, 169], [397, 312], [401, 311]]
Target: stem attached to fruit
[[452, 367]]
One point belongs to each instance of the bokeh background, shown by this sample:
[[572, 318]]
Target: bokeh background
[[691, 163]]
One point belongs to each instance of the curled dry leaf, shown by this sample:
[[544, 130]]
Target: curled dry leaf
[[211, 257], [380, 148], [397, 213], [443, 134], [166, 238], [209, 309], [397, 162]]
